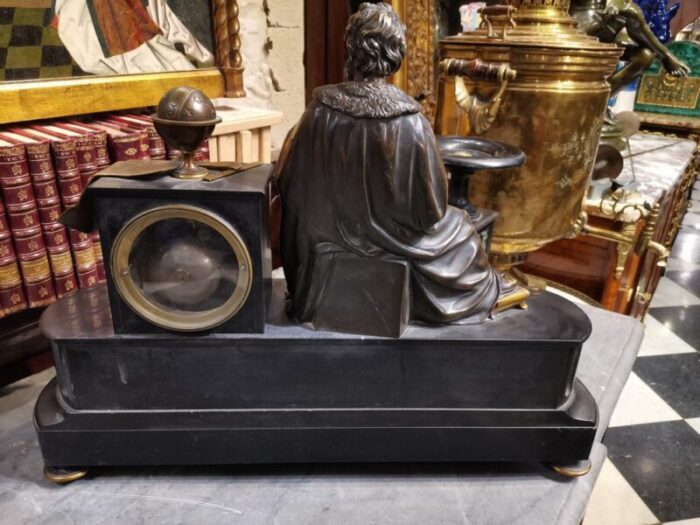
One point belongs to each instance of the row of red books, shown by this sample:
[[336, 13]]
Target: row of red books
[[44, 169]]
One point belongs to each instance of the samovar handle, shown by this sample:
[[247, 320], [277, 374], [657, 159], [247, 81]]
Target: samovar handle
[[480, 112], [498, 10]]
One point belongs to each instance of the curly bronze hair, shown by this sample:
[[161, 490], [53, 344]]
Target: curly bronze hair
[[375, 41]]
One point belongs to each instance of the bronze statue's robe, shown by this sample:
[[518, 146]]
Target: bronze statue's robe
[[361, 173]]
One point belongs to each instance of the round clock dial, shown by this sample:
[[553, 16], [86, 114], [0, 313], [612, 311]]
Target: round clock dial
[[181, 267]]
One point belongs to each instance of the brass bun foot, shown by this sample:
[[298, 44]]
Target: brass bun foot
[[61, 476], [516, 298], [575, 470]]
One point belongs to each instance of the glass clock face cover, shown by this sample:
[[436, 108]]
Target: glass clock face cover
[[181, 267], [183, 264]]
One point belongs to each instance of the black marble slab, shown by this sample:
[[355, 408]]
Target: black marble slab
[[500, 391], [520, 359]]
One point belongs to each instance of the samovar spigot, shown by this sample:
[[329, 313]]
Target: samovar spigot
[[647, 243]]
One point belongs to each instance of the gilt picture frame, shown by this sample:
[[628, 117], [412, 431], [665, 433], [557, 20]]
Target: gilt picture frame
[[39, 99], [417, 75]]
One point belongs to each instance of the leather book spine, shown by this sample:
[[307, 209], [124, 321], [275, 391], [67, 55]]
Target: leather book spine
[[88, 277], [36, 272], [100, 141], [65, 158], [41, 168], [49, 205], [46, 191], [58, 248], [156, 144], [62, 270], [13, 166], [84, 258], [99, 257], [87, 158], [126, 143], [84, 148], [7, 249], [125, 148], [202, 153], [70, 188], [39, 162], [49, 212], [12, 297], [40, 293], [18, 196], [4, 225], [23, 222], [65, 284]]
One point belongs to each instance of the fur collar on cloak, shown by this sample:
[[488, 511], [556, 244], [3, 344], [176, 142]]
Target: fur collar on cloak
[[368, 100]]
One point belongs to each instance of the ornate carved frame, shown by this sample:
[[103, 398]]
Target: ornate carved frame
[[38, 99], [417, 76]]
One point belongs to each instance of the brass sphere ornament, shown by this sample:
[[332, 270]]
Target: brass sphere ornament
[[185, 118]]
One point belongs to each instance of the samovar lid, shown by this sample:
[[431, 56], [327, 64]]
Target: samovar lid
[[533, 23]]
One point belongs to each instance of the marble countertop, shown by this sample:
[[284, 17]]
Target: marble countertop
[[518, 494], [656, 162]]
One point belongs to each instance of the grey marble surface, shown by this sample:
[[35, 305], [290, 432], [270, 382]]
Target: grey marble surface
[[330, 494], [656, 163]]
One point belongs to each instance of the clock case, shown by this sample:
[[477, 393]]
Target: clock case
[[241, 199]]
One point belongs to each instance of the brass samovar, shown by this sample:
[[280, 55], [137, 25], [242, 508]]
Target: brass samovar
[[553, 110]]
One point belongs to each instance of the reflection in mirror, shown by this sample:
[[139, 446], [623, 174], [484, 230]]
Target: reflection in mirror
[[447, 14], [690, 32], [42, 39]]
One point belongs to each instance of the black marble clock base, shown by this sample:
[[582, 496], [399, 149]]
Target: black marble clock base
[[500, 391]]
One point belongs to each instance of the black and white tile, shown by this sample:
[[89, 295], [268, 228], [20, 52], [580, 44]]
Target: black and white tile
[[652, 474]]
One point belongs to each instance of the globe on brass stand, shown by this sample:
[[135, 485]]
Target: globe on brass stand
[[185, 118]]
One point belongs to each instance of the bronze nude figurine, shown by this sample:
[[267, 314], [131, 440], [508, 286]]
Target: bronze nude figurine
[[622, 22], [367, 231]]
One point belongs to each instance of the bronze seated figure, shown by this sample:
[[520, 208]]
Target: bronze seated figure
[[363, 187]]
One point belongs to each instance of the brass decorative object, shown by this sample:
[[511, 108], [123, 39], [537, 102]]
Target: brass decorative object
[[627, 208], [553, 110], [62, 476], [664, 93], [481, 112], [186, 118]]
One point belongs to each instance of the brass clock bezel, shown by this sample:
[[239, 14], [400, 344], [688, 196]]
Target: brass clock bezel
[[167, 318]]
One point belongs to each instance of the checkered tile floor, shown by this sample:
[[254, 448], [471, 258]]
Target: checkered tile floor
[[30, 48], [652, 474]]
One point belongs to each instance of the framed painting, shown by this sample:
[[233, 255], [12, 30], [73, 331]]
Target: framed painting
[[68, 57]]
